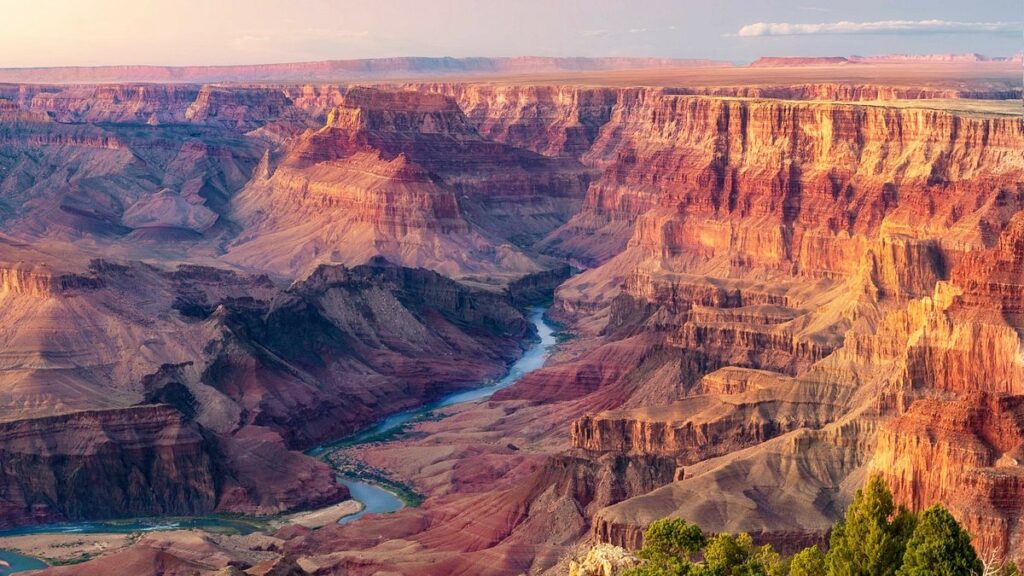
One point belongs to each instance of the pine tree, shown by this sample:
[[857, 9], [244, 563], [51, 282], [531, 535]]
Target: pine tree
[[940, 547], [872, 537], [728, 555], [808, 562], [669, 544], [672, 538]]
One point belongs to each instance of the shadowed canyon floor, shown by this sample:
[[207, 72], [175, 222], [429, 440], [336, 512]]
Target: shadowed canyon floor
[[787, 278]]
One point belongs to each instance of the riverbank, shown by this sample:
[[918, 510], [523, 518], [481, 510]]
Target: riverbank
[[373, 490], [378, 492], [321, 517], [62, 549]]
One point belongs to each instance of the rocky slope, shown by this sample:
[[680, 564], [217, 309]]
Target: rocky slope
[[378, 179], [119, 103], [233, 372], [786, 279], [876, 212], [104, 464]]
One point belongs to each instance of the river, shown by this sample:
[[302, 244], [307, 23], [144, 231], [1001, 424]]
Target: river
[[18, 563], [377, 500]]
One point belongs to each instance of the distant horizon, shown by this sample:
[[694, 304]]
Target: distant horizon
[[89, 33], [990, 57]]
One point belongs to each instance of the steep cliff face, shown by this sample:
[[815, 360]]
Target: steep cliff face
[[550, 120], [105, 464], [810, 174], [148, 460], [898, 224], [844, 92], [378, 178], [564, 119], [240, 108], [43, 282], [959, 439], [965, 454], [701, 427], [127, 103], [242, 370]]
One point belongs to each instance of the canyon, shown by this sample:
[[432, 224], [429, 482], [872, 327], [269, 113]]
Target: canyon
[[777, 280]]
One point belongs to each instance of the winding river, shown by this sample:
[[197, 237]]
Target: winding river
[[19, 563], [377, 500], [11, 563]]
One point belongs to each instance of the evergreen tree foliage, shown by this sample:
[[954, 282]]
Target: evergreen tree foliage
[[728, 555], [872, 537], [940, 547], [808, 562]]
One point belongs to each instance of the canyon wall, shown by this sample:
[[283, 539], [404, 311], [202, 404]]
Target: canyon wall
[[378, 179], [105, 464], [233, 373], [826, 248]]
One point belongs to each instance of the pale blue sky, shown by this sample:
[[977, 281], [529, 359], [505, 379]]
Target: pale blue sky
[[89, 32]]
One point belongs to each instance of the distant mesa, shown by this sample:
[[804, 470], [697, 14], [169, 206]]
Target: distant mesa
[[766, 61], [410, 68], [364, 69], [947, 58], [770, 61]]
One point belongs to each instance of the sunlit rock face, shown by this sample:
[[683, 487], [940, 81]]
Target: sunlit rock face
[[792, 256], [407, 176]]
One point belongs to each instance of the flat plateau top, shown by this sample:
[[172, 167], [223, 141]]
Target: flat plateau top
[[960, 106], [975, 75]]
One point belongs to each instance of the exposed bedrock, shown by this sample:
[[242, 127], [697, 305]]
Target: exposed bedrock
[[814, 299], [235, 371], [105, 464], [965, 454], [380, 177], [594, 481], [715, 163]]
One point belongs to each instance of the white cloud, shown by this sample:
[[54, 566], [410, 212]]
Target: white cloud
[[879, 27], [594, 33]]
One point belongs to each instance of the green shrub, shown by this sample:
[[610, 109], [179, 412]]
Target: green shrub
[[872, 537], [808, 562], [939, 546]]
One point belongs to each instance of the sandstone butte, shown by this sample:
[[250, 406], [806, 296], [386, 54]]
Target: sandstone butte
[[789, 280]]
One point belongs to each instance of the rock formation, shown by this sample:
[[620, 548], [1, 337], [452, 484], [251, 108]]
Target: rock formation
[[232, 373], [377, 179], [603, 560]]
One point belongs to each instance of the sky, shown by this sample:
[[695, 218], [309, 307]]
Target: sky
[[194, 32]]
